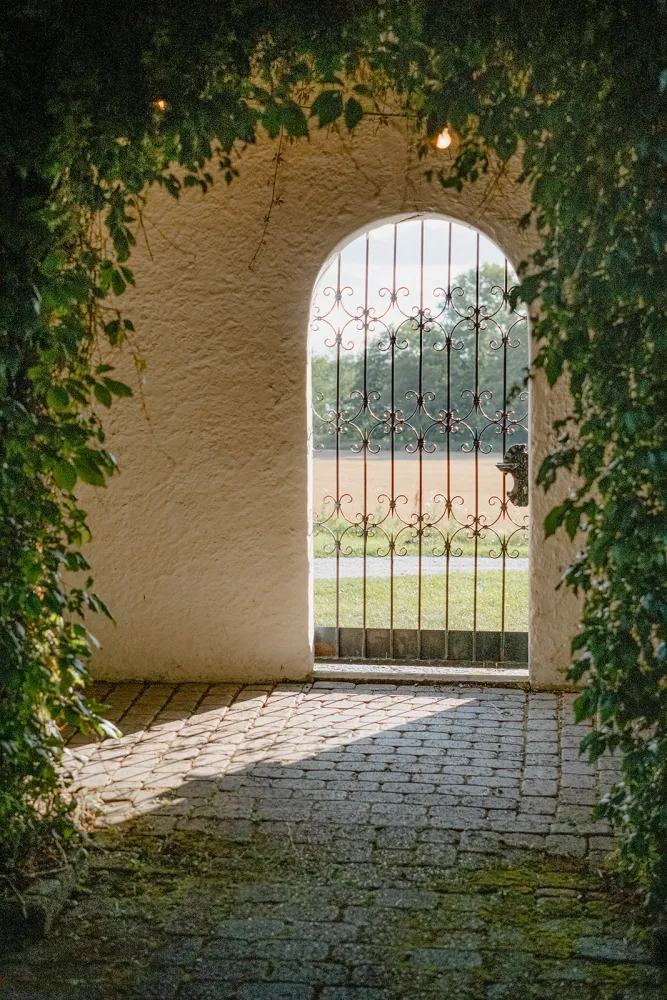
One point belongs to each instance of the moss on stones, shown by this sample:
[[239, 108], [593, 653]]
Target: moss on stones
[[483, 934]]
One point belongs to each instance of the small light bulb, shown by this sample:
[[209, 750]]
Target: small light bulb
[[160, 104], [444, 140]]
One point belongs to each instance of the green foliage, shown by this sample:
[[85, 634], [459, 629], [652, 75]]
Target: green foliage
[[327, 106], [579, 88], [581, 91]]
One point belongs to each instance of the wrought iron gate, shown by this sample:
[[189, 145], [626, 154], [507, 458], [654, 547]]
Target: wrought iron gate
[[419, 415]]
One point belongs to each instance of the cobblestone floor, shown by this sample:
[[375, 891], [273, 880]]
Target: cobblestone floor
[[339, 841]]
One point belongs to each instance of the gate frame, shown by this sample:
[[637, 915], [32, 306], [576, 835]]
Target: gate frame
[[482, 642]]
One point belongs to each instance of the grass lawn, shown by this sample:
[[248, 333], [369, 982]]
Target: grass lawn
[[433, 602]]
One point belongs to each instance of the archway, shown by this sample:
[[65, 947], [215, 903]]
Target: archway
[[420, 438], [228, 519]]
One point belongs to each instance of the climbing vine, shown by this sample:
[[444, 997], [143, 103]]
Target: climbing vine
[[96, 109]]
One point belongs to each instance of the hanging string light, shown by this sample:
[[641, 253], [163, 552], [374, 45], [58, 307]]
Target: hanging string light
[[444, 140]]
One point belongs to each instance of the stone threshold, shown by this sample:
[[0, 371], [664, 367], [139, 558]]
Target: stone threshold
[[515, 674]]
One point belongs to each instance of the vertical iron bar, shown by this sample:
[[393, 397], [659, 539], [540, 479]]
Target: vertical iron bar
[[420, 411], [392, 493], [504, 493], [476, 447], [365, 423], [449, 435], [338, 433]]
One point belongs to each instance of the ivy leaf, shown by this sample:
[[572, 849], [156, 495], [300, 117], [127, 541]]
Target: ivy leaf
[[117, 388], [121, 243], [65, 475], [117, 282], [33, 606], [353, 113], [327, 106], [554, 519], [103, 395], [113, 331], [57, 397], [294, 120], [88, 469], [572, 519], [54, 262], [452, 181], [272, 119], [106, 271], [594, 744], [527, 291], [78, 390], [585, 704]]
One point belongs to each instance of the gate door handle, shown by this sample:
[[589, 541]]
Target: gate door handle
[[516, 462]]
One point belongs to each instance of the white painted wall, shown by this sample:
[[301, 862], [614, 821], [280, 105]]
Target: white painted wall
[[202, 585]]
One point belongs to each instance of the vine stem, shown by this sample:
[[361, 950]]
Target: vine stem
[[272, 204]]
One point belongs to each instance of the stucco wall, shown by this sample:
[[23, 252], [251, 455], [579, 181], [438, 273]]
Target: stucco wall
[[203, 586]]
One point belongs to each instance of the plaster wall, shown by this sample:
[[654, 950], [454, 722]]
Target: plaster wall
[[202, 585]]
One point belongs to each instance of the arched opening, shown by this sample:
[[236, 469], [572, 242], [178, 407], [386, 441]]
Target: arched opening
[[420, 448]]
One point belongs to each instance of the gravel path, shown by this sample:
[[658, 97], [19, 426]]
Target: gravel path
[[325, 569]]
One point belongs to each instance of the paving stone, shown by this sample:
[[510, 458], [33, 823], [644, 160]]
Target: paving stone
[[451, 958], [312, 973], [211, 991], [540, 771], [441, 855], [565, 971], [396, 837], [413, 899], [229, 969], [601, 843], [354, 993], [177, 949], [539, 786], [352, 953], [456, 818], [398, 815], [249, 929], [608, 949], [331, 933], [370, 975], [310, 910], [538, 804], [156, 984], [275, 991], [566, 845], [276, 949], [340, 812], [69, 991]]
